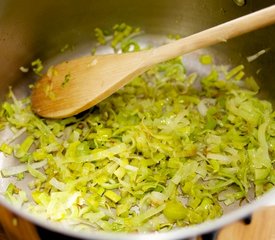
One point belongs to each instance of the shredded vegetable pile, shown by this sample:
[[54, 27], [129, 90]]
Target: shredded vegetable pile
[[160, 153]]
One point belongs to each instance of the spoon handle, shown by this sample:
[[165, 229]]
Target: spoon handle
[[217, 34]]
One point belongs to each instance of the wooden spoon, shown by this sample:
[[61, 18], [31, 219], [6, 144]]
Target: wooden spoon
[[74, 86]]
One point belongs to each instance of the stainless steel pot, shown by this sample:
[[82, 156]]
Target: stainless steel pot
[[29, 30]]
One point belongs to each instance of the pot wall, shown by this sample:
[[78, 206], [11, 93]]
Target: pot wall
[[30, 30]]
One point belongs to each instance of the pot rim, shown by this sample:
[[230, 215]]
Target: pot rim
[[180, 233]]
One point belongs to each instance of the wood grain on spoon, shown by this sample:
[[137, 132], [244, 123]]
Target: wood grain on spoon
[[76, 85]]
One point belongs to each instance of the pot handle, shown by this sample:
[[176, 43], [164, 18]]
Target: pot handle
[[15, 227], [214, 235]]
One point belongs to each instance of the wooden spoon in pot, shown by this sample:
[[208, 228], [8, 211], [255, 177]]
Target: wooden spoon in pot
[[76, 85]]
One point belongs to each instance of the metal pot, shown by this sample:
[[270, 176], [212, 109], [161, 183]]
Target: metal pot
[[29, 30]]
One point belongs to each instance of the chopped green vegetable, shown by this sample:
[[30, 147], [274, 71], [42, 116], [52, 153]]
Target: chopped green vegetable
[[37, 67], [157, 154], [121, 33], [234, 71], [67, 78], [174, 36], [66, 47], [206, 59], [112, 195], [252, 84], [22, 149], [175, 210], [21, 168], [100, 36], [24, 69], [5, 148]]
